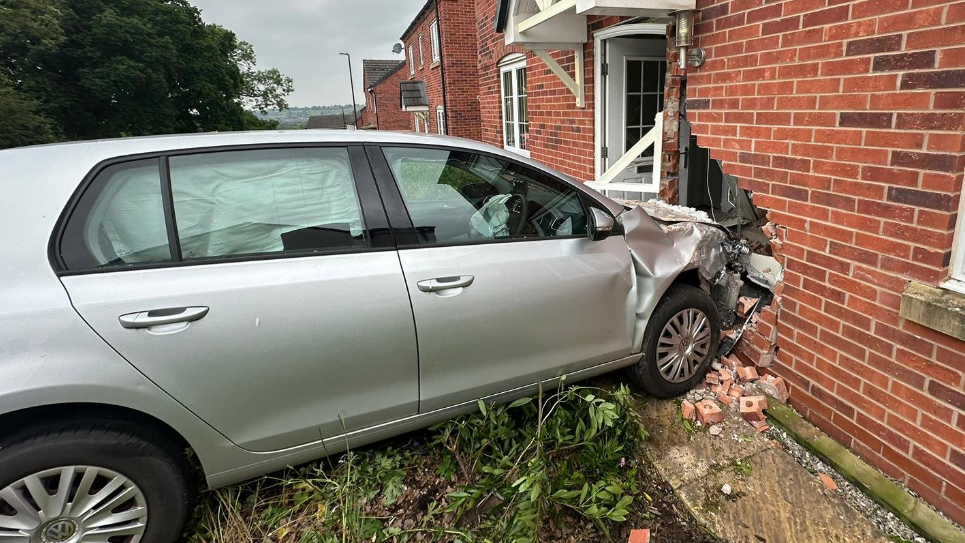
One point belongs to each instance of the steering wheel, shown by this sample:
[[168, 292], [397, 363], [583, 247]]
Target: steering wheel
[[518, 214]]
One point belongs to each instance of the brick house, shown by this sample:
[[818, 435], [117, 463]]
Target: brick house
[[380, 79], [440, 50], [841, 121]]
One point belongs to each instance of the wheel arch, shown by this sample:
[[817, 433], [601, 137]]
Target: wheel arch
[[14, 422]]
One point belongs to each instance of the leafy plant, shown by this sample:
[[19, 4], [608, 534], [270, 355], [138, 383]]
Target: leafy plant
[[517, 470], [534, 462]]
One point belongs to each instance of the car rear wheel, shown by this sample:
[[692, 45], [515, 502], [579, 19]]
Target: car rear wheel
[[90, 481], [679, 344]]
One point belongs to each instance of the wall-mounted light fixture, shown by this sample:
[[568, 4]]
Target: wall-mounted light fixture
[[685, 39]]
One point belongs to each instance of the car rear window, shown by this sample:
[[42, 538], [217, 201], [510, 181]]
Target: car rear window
[[119, 221]]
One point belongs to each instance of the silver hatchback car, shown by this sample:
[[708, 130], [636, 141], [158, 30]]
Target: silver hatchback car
[[266, 299]]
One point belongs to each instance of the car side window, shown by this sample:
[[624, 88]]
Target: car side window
[[458, 196], [119, 221], [266, 201]]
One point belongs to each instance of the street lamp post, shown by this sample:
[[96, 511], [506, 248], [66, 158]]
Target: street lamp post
[[355, 109]]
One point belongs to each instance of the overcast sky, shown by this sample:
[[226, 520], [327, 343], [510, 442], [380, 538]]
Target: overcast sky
[[303, 38]]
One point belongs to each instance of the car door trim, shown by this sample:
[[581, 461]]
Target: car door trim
[[381, 237]]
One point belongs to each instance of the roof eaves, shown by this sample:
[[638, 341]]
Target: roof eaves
[[418, 18]]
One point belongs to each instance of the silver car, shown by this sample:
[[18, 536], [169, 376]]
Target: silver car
[[266, 299]]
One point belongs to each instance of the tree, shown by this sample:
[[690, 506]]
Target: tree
[[21, 122], [108, 68]]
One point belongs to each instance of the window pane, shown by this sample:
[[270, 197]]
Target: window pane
[[633, 75], [455, 196], [521, 81], [119, 220], [435, 40], [649, 110], [266, 201], [651, 76]]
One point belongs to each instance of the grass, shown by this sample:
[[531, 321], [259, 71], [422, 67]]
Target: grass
[[538, 469]]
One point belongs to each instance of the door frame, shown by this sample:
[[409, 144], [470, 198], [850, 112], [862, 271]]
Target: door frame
[[599, 36]]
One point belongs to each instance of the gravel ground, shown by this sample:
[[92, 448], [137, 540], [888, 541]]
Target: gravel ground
[[884, 519], [881, 517]]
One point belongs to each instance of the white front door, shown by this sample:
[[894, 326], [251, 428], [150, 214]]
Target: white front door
[[634, 72]]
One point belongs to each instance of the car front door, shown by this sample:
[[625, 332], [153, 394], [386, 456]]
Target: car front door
[[259, 287], [506, 288]]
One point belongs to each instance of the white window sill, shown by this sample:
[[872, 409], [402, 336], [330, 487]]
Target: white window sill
[[955, 284], [519, 152]]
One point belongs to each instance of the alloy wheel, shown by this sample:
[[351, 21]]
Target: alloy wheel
[[73, 504], [683, 345]]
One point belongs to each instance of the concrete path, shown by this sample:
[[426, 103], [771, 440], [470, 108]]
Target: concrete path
[[772, 498]]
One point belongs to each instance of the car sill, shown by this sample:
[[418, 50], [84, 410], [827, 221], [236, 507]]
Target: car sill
[[333, 445]]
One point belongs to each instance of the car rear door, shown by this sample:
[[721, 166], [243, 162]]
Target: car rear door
[[260, 287], [506, 287]]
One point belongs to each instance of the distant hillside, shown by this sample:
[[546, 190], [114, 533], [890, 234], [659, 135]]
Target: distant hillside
[[296, 117]]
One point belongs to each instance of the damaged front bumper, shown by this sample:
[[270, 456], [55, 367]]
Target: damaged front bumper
[[667, 242]]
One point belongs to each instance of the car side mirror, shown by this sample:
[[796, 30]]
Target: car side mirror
[[601, 225]]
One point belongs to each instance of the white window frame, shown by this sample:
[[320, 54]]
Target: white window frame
[[411, 61], [420, 127], [517, 62], [957, 280], [421, 54], [441, 120], [434, 36]]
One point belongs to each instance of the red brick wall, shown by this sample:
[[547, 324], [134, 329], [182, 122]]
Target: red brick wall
[[460, 54], [429, 72], [384, 104], [458, 39], [561, 134], [847, 121]]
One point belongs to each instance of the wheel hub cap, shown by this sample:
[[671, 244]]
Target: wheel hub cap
[[684, 344], [73, 504], [59, 530]]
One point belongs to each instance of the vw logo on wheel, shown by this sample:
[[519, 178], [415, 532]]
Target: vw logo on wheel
[[59, 531]]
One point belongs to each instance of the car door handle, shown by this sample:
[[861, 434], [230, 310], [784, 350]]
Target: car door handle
[[158, 317], [445, 283]]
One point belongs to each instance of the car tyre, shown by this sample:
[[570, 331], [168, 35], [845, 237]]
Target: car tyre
[[684, 359], [153, 484]]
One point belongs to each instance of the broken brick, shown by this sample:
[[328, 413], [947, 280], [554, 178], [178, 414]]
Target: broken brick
[[828, 481], [712, 378], [779, 289], [722, 388], [639, 536], [748, 374], [762, 428], [735, 392], [752, 408], [687, 410], [767, 359], [731, 362], [745, 305], [709, 413], [775, 387], [725, 398]]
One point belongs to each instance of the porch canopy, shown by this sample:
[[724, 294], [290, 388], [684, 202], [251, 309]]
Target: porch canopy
[[560, 25]]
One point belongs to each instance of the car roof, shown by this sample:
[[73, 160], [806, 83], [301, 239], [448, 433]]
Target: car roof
[[110, 148]]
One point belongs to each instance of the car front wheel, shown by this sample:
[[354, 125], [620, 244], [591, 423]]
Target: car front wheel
[[679, 344], [92, 481]]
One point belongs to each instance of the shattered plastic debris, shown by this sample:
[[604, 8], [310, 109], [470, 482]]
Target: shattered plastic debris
[[766, 271]]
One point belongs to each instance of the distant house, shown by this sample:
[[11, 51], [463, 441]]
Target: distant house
[[380, 79], [442, 58], [338, 121]]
